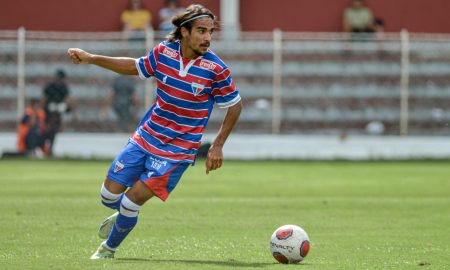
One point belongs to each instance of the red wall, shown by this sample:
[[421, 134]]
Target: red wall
[[326, 15], [256, 15], [430, 16], [78, 15]]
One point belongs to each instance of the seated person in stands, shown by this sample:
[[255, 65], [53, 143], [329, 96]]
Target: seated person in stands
[[166, 14], [31, 133], [136, 20], [358, 18]]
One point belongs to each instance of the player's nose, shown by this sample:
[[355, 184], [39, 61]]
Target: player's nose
[[207, 37]]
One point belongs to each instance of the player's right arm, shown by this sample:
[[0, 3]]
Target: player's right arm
[[121, 65]]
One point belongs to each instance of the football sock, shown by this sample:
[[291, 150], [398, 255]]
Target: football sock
[[108, 247], [125, 222], [109, 199]]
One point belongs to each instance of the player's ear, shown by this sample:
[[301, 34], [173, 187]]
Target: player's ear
[[184, 32]]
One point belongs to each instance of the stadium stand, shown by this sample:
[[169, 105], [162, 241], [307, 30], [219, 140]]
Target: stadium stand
[[329, 85]]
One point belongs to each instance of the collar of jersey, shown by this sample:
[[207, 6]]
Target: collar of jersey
[[183, 71]]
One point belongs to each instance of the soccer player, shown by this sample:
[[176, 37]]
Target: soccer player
[[190, 80]]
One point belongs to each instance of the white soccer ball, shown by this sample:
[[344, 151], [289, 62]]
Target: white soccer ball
[[289, 244]]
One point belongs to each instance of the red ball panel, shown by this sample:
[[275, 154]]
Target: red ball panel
[[280, 258], [304, 248]]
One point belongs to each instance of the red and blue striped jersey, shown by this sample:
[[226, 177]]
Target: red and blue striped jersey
[[186, 92]]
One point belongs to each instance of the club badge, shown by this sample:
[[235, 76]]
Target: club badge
[[197, 88], [118, 166]]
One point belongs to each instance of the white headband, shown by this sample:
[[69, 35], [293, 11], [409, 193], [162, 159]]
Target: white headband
[[195, 17]]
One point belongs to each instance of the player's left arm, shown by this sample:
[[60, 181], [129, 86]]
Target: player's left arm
[[121, 65], [214, 157]]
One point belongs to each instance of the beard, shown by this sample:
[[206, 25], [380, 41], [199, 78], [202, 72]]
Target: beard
[[199, 53]]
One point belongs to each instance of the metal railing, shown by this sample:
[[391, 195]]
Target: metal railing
[[388, 83]]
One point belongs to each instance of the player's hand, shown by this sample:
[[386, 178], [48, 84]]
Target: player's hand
[[214, 158], [78, 56]]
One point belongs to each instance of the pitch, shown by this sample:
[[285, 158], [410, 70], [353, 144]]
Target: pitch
[[359, 215]]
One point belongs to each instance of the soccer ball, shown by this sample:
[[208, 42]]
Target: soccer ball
[[289, 244]]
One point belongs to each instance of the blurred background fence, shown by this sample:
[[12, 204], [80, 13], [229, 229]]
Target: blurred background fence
[[291, 83]]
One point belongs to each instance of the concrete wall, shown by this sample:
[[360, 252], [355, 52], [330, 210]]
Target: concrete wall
[[251, 147]]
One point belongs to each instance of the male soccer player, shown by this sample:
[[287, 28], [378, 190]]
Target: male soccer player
[[190, 80]]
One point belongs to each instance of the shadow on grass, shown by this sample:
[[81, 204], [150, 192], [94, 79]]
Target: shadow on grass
[[229, 263]]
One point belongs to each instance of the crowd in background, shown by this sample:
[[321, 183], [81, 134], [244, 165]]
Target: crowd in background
[[42, 119], [136, 19]]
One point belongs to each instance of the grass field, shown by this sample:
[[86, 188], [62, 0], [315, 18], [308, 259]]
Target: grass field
[[365, 215]]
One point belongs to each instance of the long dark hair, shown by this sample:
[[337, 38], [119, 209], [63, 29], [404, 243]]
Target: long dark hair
[[183, 19]]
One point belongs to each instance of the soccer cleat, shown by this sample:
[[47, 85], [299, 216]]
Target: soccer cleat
[[106, 226], [103, 252]]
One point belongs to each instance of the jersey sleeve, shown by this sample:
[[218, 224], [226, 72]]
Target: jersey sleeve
[[224, 90], [146, 65]]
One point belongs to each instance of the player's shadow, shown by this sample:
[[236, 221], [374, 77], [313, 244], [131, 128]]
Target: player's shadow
[[230, 263]]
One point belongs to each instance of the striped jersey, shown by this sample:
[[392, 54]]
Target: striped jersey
[[186, 92]]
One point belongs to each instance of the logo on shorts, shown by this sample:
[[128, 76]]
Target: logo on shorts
[[118, 166], [197, 88]]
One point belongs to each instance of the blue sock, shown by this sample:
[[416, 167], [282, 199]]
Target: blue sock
[[111, 200], [125, 222]]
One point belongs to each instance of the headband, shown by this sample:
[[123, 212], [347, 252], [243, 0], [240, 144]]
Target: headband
[[195, 17]]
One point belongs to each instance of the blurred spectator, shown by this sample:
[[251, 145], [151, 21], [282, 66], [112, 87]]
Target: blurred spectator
[[136, 20], [124, 101], [166, 14], [378, 24], [375, 128], [57, 101], [358, 18], [32, 133]]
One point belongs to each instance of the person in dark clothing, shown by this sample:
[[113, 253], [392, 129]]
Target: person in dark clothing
[[57, 101], [123, 100]]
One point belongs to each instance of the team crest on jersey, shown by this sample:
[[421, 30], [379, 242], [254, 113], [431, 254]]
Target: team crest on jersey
[[197, 88], [208, 65], [170, 52], [118, 166]]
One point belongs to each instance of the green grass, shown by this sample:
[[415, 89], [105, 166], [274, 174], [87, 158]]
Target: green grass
[[374, 215]]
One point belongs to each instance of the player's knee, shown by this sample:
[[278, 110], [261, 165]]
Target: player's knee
[[110, 199], [139, 193], [128, 208]]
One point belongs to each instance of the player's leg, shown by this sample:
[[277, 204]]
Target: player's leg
[[159, 179], [127, 218], [112, 194], [123, 172]]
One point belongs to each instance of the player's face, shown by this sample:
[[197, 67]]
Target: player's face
[[198, 39]]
